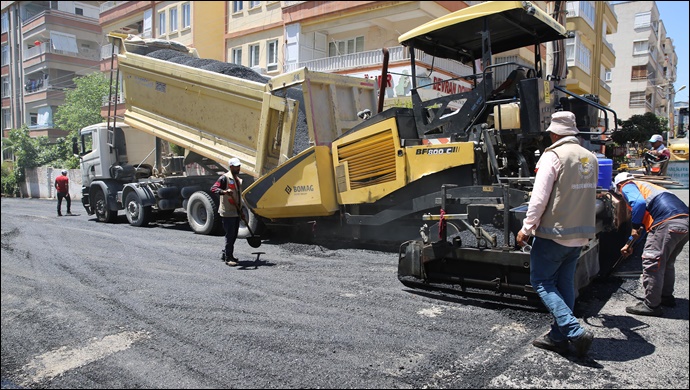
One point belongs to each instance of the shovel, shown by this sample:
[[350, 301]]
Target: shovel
[[254, 240]]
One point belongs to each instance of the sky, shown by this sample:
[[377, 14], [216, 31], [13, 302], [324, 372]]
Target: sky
[[674, 14]]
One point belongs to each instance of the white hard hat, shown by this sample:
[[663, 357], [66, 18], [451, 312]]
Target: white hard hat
[[621, 177], [234, 162], [656, 138], [64, 171]]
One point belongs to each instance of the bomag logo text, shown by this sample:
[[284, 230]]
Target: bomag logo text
[[305, 188], [454, 149]]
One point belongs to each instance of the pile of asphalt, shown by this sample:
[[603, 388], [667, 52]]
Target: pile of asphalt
[[235, 70]]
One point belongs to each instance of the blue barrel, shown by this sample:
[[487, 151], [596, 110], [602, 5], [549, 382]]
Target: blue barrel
[[605, 173]]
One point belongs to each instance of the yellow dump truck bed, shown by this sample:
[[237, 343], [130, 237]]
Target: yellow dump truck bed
[[219, 116]]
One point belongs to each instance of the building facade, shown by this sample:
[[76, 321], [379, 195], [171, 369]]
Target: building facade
[[45, 46], [274, 37], [643, 80]]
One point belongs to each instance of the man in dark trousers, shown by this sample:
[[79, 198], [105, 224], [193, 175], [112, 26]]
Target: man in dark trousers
[[62, 187], [561, 217], [664, 217], [229, 187]]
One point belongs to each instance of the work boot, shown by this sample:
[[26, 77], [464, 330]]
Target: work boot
[[643, 310], [668, 301], [545, 342], [582, 343]]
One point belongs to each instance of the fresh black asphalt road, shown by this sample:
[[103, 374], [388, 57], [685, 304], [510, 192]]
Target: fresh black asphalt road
[[94, 305]]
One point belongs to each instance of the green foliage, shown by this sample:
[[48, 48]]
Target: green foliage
[[639, 128], [82, 108], [9, 179]]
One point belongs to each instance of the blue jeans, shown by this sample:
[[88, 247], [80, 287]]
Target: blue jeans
[[552, 274]]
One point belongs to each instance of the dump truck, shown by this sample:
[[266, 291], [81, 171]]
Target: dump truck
[[129, 165]]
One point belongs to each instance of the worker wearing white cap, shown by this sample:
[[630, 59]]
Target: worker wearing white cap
[[229, 188], [561, 217], [658, 148], [664, 217]]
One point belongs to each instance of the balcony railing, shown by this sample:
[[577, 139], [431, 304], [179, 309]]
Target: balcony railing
[[84, 53], [375, 57], [110, 4]]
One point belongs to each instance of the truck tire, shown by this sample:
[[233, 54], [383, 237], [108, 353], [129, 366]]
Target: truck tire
[[168, 192], [100, 207], [137, 214], [189, 190], [201, 213], [257, 227]]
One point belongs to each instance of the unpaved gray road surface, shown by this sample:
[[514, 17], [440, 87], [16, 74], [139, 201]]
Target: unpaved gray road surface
[[92, 305]]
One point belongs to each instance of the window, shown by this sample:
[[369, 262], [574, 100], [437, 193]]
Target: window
[[254, 4], [186, 15], [584, 57], [148, 18], [237, 56], [253, 55], [643, 19], [236, 6], [272, 56], [173, 19], [5, 22], [161, 23], [637, 99], [640, 47], [79, 11], [6, 118], [639, 72], [5, 87], [33, 119], [607, 74], [5, 55], [339, 48], [570, 49], [64, 42]]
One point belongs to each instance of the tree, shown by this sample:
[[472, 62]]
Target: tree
[[28, 153], [82, 108], [639, 128]]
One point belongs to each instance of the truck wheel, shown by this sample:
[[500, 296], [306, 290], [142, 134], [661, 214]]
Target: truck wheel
[[201, 213], [100, 207], [137, 214], [255, 224]]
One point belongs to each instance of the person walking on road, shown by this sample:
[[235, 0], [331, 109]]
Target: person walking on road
[[62, 187], [664, 217], [565, 181], [229, 187]]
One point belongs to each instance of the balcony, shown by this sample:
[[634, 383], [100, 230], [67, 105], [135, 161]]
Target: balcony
[[375, 58], [84, 53], [110, 4]]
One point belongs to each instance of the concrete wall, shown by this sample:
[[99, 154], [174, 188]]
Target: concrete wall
[[40, 183]]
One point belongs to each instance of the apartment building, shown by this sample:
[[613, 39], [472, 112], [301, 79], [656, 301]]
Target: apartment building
[[590, 56], [647, 62], [45, 46]]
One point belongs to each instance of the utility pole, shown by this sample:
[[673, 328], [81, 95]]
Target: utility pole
[[672, 111]]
